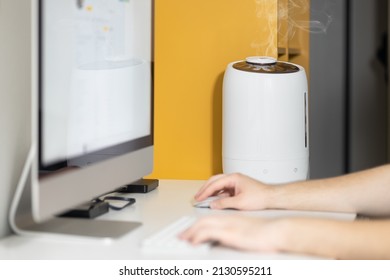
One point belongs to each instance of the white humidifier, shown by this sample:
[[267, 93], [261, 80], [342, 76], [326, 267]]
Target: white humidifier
[[265, 120]]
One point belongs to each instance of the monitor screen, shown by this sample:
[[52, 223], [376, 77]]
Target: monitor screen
[[95, 80], [95, 96]]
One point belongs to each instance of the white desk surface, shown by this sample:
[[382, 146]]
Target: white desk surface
[[156, 209]]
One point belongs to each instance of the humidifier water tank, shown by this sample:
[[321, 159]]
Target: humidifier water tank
[[265, 120]]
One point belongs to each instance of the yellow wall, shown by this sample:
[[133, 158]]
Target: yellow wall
[[194, 42]]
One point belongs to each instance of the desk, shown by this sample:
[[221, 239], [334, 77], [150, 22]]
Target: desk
[[155, 210]]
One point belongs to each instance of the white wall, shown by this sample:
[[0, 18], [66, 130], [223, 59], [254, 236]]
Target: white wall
[[15, 86]]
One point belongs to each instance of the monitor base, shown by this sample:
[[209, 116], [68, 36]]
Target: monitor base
[[74, 227], [22, 220]]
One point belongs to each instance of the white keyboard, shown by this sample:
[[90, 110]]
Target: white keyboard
[[166, 240]]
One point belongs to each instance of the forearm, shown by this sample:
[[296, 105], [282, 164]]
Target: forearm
[[336, 239], [366, 192]]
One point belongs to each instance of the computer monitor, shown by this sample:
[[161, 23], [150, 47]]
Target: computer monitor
[[93, 111]]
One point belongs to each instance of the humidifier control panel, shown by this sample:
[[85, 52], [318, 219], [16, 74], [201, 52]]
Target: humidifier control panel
[[265, 64]]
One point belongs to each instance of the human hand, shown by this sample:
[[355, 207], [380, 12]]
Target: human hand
[[236, 191], [238, 232]]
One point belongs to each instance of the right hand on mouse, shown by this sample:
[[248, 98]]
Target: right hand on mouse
[[237, 191]]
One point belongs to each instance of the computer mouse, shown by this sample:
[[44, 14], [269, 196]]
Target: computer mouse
[[206, 202]]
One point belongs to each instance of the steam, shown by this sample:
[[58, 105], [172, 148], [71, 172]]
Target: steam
[[266, 22], [319, 22], [292, 19]]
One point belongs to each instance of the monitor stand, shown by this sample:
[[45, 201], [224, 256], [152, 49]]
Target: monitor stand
[[22, 220]]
